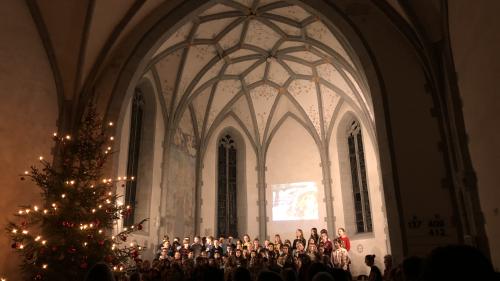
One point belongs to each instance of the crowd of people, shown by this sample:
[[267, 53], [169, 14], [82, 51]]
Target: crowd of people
[[231, 259], [229, 253]]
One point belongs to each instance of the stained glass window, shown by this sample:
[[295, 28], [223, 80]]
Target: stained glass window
[[362, 210], [226, 188], [133, 154]]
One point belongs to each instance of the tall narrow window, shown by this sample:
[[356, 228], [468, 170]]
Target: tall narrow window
[[226, 190], [359, 183], [133, 154]]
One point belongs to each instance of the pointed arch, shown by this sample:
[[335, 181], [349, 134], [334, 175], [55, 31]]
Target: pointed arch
[[140, 151], [354, 178], [231, 191]]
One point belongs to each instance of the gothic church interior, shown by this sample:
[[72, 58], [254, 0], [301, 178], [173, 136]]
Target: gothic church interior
[[264, 116]]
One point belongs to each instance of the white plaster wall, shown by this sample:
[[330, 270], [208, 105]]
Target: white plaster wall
[[149, 236], [365, 243], [293, 156], [28, 110], [209, 178]]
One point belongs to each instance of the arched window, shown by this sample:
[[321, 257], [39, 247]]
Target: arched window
[[134, 153], [359, 184], [227, 215]]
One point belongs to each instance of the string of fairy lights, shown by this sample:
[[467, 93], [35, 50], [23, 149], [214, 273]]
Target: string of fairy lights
[[51, 208]]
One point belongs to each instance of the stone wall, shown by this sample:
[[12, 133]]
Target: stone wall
[[28, 114], [475, 43]]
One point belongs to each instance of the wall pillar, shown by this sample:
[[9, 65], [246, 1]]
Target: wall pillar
[[261, 186], [164, 185], [197, 193], [327, 185]]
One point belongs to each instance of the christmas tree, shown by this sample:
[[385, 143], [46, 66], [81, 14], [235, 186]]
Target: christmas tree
[[71, 229]]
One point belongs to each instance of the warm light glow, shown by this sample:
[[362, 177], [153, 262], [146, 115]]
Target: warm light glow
[[91, 225], [14, 230], [54, 205], [41, 158], [44, 242], [35, 208], [125, 229], [119, 178], [109, 147], [27, 211], [110, 193], [104, 180], [132, 178], [100, 231], [108, 201], [25, 232], [63, 195], [100, 206], [131, 244], [54, 134], [38, 238], [110, 124], [21, 212], [68, 137], [26, 172], [44, 266], [45, 211], [21, 246], [72, 182], [84, 244], [111, 138], [3, 279], [93, 210]]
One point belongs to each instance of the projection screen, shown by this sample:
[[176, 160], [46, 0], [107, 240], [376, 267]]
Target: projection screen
[[295, 201]]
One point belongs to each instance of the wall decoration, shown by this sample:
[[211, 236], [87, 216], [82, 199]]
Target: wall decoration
[[185, 142], [359, 248]]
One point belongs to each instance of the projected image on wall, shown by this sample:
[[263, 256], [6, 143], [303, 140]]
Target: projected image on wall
[[295, 201]]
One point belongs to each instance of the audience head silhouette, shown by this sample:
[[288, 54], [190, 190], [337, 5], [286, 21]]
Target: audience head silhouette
[[269, 276], [99, 272], [323, 276], [457, 262], [242, 274]]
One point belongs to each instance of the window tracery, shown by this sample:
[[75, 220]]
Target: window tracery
[[362, 210]]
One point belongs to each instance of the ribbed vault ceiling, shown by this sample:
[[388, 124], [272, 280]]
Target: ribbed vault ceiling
[[261, 60]]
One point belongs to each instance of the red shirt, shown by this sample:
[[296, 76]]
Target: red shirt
[[347, 243]]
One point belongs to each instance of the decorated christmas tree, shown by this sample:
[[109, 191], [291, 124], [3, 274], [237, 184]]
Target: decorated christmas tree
[[71, 229]]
